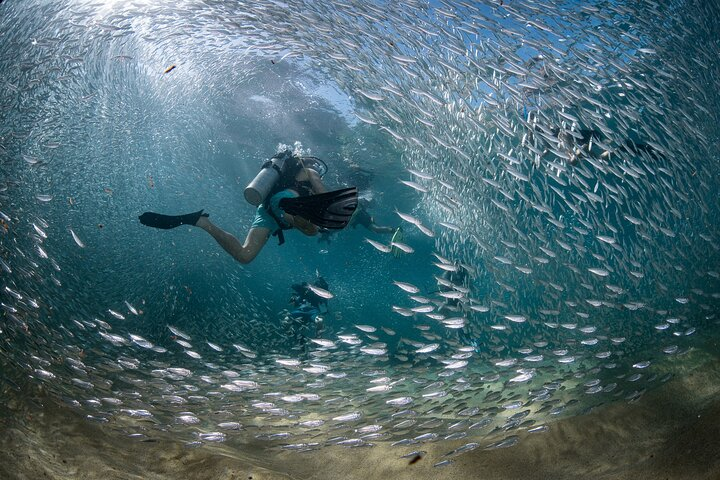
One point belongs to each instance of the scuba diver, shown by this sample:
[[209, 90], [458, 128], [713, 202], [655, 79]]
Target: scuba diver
[[361, 217], [586, 142], [306, 320], [289, 193]]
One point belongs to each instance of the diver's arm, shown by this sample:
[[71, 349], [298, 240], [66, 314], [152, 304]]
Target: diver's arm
[[315, 181], [317, 187], [301, 224]]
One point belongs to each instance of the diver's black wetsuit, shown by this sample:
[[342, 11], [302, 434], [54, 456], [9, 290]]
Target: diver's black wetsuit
[[308, 306]]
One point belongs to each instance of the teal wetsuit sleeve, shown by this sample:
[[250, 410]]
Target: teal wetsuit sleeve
[[262, 217]]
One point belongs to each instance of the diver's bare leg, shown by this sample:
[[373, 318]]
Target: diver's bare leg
[[301, 224], [243, 253]]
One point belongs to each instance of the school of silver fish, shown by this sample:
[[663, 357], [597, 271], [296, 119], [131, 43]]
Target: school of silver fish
[[563, 157]]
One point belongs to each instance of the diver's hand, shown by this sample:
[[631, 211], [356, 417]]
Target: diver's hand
[[302, 224]]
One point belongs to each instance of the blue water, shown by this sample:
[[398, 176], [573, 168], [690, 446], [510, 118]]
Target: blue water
[[88, 117]]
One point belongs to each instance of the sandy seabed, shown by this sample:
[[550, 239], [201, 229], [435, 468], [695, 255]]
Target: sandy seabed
[[672, 432]]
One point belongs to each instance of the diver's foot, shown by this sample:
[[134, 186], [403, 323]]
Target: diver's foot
[[202, 220]]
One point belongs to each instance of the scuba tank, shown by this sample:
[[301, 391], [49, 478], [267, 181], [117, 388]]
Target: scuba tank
[[271, 171]]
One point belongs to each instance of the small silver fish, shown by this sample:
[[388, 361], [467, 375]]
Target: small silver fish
[[320, 292], [408, 218], [425, 230], [77, 240], [601, 272], [366, 328], [379, 246], [371, 96], [414, 186], [407, 287], [132, 309], [424, 176], [402, 246], [365, 119]]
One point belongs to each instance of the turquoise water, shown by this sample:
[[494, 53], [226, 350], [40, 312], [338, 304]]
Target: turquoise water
[[588, 269]]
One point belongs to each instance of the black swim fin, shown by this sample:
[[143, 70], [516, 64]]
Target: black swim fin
[[331, 210], [166, 222]]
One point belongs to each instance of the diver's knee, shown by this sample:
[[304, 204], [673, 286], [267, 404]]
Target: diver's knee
[[244, 257]]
